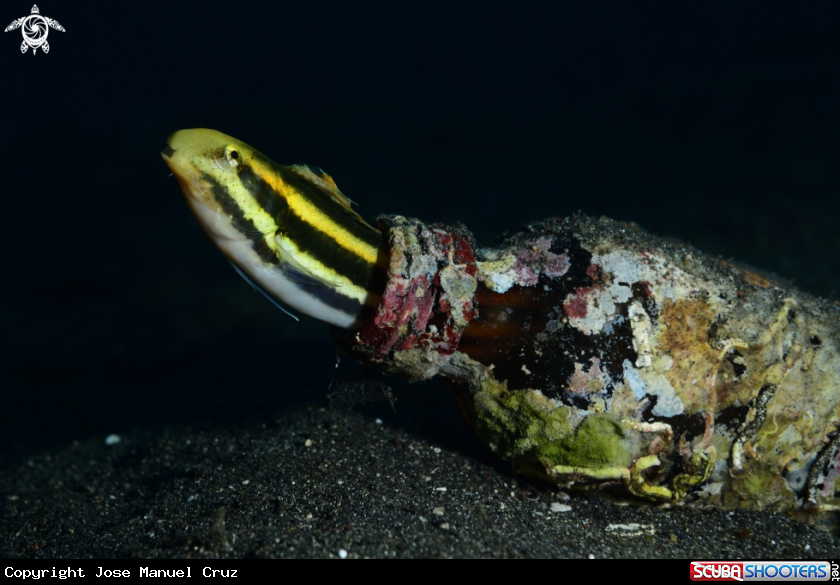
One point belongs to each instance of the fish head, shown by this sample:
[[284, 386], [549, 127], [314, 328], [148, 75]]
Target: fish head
[[201, 158]]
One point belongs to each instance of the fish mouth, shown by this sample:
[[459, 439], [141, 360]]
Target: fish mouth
[[167, 151]]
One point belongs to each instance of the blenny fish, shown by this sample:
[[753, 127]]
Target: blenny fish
[[586, 351]]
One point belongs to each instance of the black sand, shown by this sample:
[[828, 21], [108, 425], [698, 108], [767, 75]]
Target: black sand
[[117, 317]]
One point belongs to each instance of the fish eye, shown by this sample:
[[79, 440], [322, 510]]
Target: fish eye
[[232, 155], [228, 158]]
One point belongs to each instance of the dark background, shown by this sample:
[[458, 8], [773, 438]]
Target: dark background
[[713, 123]]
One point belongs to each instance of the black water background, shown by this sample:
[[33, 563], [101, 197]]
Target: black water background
[[715, 124]]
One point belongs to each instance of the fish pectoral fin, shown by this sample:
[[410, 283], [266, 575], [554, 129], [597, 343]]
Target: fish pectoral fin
[[259, 289], [297, 272], [303, 278]]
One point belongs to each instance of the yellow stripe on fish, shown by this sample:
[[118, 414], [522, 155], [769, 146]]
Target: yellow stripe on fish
[[288, 229]]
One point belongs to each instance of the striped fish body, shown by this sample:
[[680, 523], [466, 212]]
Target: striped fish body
[[287, 229]]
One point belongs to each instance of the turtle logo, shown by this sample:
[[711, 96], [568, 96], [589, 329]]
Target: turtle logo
[[35, 28]]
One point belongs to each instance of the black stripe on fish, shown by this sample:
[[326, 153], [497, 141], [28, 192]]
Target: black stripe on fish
[[272, 202], [327, 295], [313, 242], [325, 250], [242, 224], [323, 200]]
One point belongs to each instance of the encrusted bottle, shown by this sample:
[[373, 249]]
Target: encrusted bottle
[[597, 356]]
